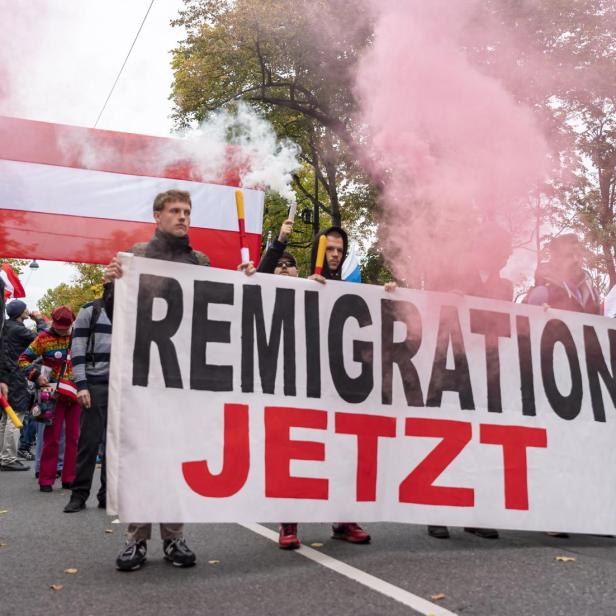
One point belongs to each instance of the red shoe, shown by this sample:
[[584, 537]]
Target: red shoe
[[287, 538], [351, 532]]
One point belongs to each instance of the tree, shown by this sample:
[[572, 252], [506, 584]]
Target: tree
[[561, 58], [294, 60], [86, 287]]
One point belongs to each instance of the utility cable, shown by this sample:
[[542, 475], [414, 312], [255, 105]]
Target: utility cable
[[123, 65]]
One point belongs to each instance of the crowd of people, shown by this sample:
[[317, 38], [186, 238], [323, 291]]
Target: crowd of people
[[57, 377]]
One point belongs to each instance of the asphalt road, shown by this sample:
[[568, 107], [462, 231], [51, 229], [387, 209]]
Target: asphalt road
[[515, 575]]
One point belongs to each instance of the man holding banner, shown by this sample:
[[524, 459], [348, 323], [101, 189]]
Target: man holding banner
[[171, 211]]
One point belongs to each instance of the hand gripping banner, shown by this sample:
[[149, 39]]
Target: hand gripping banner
[[268, 398]]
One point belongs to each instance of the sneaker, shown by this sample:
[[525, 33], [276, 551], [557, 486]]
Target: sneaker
[[45, 488], [287, 537], [24, 454], [438, 532], [484, 533], [75, 504], [66, 485], [132, 556], [351, 532], [102, 503], [14, 466], [178, 553]]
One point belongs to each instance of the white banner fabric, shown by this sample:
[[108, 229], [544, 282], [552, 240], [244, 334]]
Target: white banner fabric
[[269, 398]]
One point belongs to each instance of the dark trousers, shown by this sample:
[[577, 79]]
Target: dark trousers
[[93, 429]]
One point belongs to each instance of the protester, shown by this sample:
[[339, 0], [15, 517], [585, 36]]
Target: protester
[[478, 273], [90, 351], [335, 253], [562, 282], [276, 259], [56, 373], [17, 338], [172, 211], [4, 389]]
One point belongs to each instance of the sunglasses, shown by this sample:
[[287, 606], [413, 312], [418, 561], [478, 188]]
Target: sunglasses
[[286, 264]]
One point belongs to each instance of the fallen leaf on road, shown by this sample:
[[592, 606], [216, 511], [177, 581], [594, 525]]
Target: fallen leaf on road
[[56, 586], [109, 531], [213, 562], [71, 571], [316, 545], [2, 545], [437, 597], [116, 521], [565, 559], [4, 510]]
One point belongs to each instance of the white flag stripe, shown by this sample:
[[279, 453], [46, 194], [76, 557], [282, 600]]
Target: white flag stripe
[[52, 189]]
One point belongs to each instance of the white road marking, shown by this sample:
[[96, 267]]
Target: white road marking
[[385, 588]]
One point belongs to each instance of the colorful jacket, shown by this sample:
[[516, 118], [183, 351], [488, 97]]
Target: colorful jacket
[[53, 349]]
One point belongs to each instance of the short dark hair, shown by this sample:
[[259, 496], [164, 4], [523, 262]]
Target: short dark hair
[[334, 233], [168, 196]]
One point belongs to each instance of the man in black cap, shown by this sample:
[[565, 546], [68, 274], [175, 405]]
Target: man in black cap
[[17, 337]]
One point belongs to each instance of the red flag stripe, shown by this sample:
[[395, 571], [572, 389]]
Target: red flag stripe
[[96, 240]]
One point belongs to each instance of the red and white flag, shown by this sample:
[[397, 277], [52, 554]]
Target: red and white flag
[[79, 194], [12, 285]]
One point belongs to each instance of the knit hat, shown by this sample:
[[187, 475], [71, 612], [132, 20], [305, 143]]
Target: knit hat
[[62, 317], [15, 308]]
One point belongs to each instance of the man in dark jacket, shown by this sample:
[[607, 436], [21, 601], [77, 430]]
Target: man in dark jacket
[[4, 388], [270, 261], [170, 243], [562, 282], [17, 337], [336, 251]]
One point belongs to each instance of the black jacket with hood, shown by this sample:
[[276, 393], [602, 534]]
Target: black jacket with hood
[[326, 273], [17, 338]]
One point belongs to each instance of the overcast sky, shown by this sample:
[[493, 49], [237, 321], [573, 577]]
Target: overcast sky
[[59, 64]]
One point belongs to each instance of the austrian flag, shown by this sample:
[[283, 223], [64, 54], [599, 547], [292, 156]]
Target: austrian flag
[[12, 285], [76, 194]]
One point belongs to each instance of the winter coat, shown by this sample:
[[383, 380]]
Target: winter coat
[[269, 261], [17, 338], [162, 246], [559, 294]]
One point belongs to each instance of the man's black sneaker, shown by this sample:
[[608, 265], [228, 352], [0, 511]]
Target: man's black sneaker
[[75, 504], [14, 466], [25, 454], [484, 533], [45, 488], [178, 553], [438, 532], [132, 556]]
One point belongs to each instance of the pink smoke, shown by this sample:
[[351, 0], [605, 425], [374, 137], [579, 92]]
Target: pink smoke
[[454, 146]]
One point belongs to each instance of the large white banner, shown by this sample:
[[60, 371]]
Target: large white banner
[[268, 398]]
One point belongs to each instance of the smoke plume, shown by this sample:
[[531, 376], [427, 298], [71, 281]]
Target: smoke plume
[[454, 146]]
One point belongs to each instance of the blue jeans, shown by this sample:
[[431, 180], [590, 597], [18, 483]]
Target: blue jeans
[[40, 428], [28, 433]]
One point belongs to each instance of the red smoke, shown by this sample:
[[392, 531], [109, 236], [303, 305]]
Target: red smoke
[[454, 146]]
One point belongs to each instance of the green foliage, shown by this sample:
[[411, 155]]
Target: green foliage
[[272, 54], [18, 265], [86, 286]]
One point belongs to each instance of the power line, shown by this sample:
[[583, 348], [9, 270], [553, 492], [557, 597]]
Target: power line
[[123, 65]]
